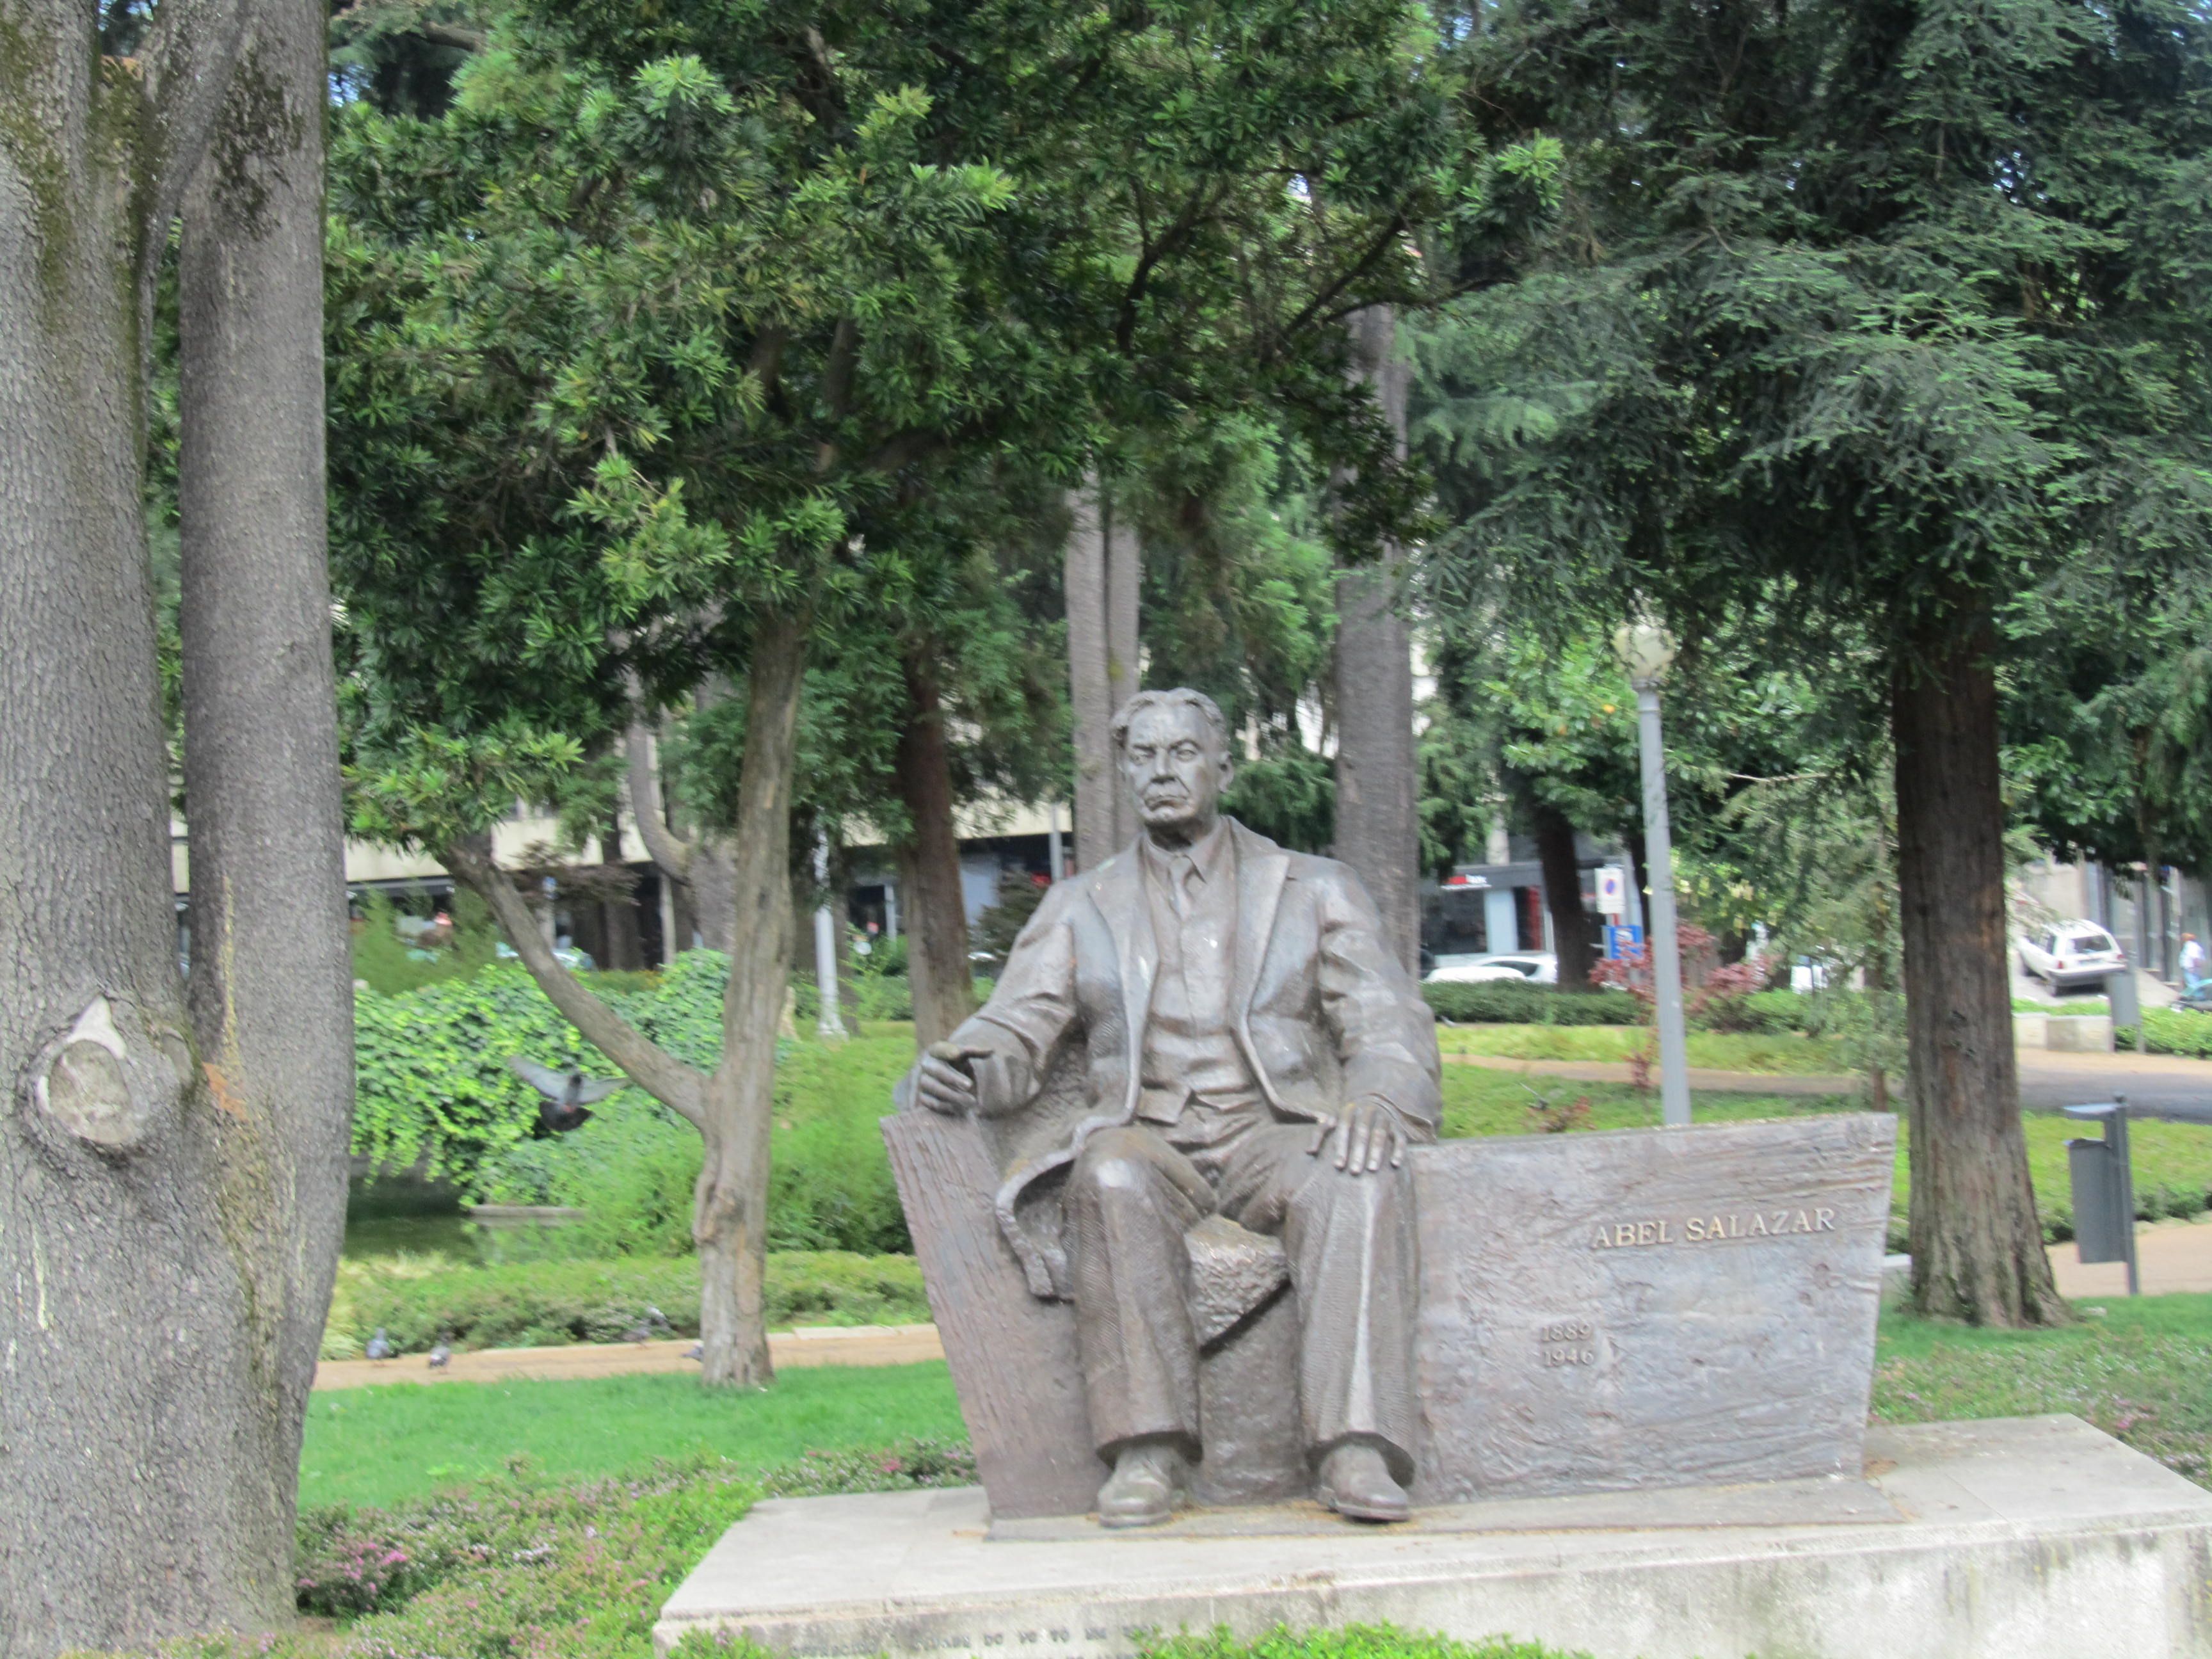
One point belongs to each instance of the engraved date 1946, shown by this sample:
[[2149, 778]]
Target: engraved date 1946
[[1568, 1342]]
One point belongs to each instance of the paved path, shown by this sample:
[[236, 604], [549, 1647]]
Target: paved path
[[2170, 1257], [858, 1344], [2156, 1085]]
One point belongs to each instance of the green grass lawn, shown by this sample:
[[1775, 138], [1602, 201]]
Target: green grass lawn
[[1721, 1051], [576, 1507], [2141, 1371], [391, 1444], [2139, 1368]]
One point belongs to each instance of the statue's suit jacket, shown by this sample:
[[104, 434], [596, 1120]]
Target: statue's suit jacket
[[1324, 1014]]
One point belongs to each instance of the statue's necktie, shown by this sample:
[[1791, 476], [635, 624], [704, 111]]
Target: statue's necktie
[[1186, 884]]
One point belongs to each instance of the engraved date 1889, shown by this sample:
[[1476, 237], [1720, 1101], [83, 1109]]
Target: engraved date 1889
[[1568, 1342]]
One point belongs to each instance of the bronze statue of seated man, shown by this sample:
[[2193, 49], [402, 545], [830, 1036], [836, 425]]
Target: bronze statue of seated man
[[1248, 1046]]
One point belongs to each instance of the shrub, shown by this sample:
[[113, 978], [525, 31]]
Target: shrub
[[430, 1073], [631, 1168], [390, 964], [1516, 1002], [546, 1303], [517, 1566], [2173, 1031], [1761, 1013]]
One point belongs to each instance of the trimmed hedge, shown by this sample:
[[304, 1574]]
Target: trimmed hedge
[[528, 1304], [1516, 1002], [2171, 1032]]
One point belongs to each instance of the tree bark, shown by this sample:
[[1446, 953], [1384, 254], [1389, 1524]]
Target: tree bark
[[1090, 700], [1563, 894], [701, 867], [667, 1079], [270, 993], [929, 866], [1104, 582], [625, 951], [1378, 823], [1125, 574], [730, 1213], [140, 1423], [1978, 1251]]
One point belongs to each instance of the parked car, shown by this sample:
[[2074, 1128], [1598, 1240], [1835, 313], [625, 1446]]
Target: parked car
[[1533, 967], [2073, 953]]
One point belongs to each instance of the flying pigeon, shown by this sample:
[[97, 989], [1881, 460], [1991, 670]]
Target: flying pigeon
[[441, 1356], [567, 1093], [379, 1346]]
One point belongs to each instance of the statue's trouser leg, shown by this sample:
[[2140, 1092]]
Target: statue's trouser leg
[[1353, 1264], [1130, 1198]]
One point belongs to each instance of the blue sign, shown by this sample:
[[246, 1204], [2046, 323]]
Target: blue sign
[[1620, 941]]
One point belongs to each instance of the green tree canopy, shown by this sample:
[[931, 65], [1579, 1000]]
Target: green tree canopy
[[1860, 325]]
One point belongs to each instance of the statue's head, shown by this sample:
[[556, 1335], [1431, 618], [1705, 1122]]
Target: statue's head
[[1174, 749]]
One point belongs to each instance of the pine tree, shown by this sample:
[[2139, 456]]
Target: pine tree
[[1867, 321]]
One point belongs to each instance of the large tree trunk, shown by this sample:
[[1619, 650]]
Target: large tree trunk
[[270, 993], [1978, 1250], [1563, 894], [730, 1213], [138, 1442], [929, 866], [1102, 579], [1378, 825]]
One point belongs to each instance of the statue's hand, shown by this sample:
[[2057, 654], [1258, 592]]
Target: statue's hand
[[1368, 1135], [946, 1078]]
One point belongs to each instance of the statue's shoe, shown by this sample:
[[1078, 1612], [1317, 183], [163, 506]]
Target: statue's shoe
[[1144, 1490], [1355, 1483]]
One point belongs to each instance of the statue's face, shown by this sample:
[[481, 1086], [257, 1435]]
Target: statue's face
[[1176, 770]]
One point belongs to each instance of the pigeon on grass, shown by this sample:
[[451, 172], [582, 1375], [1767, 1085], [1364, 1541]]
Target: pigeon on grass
[[567, 1093], [441, 1356]]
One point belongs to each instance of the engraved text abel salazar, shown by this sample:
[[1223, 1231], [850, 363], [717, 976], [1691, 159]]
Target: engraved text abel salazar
[[1711, 1229]]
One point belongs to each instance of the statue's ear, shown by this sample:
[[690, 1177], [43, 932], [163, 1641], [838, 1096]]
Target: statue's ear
[[1228, 774]]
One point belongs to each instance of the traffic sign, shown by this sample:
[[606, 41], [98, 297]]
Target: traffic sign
[[1611, 890]]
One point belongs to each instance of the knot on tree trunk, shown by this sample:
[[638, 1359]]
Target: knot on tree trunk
[[111, 1075]]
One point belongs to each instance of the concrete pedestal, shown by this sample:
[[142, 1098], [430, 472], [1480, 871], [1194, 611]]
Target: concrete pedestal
[[2029, 1538]]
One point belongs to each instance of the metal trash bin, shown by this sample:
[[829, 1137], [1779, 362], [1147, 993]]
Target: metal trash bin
[[2121, 996], [2104, 1189]]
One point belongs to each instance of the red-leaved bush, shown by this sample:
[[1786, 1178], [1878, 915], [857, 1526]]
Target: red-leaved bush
[[1716, 1002]]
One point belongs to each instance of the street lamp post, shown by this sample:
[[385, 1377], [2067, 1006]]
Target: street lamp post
[[1647, 651], [828, 1019]]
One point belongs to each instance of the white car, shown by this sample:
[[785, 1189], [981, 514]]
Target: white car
[[2070, 954], [1530, 966]]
